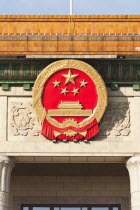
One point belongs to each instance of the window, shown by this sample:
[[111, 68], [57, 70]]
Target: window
[[40, 208], [71, 207]]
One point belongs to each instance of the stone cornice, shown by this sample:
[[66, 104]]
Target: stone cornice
[[133, 160], [133, 166], [6, 166], [4, 197]]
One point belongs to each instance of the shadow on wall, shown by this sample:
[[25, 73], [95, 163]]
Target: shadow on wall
[[116, 120]]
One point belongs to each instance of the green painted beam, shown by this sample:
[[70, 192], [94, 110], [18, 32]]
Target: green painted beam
[[5, 86], [26, 86], [136, 86], [32, 82], [16, 82], [114, 86]]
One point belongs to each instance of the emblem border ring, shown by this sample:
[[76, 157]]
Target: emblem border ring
[[69, 64]]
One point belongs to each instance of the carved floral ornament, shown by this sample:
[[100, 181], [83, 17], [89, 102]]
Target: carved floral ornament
[[69, 98], [116, 120], [24, 121], [4, 198]]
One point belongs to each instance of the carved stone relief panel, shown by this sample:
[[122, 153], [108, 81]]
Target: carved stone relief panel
[[116, 120], [23, 120]]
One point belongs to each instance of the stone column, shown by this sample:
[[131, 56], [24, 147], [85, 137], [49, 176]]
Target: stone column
[[133, 166], [6, 165]]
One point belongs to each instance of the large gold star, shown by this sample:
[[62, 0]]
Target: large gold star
[[83, 83], [70, 77], [75, 91], [64, 91], [56, 83]]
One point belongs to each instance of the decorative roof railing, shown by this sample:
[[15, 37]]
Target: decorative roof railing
[[114, 72], [68, 37]]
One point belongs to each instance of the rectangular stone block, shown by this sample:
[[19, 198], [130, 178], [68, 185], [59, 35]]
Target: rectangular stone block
[[3, 118]]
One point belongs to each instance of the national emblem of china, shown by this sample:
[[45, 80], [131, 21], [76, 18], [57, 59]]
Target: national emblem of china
[[70, 98]]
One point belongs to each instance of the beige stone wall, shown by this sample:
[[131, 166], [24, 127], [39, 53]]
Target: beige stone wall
[[69, 190], [119, 134]]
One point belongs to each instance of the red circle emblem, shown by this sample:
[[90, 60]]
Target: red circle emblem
[[65, 87], [70, 99]]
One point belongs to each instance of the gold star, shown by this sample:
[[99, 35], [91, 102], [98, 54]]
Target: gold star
[[83, 83], [75, 91], [64, 91], [69, 77], [56, 83]]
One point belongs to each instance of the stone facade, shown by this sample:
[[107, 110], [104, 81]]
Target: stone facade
[[69, 190], [118, 140], [119, 127], [81, 37]]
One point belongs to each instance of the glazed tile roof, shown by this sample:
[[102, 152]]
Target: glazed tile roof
[[69, 35]]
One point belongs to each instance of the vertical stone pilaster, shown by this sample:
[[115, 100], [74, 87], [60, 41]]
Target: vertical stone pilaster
[[133, 166], [6, 166]]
